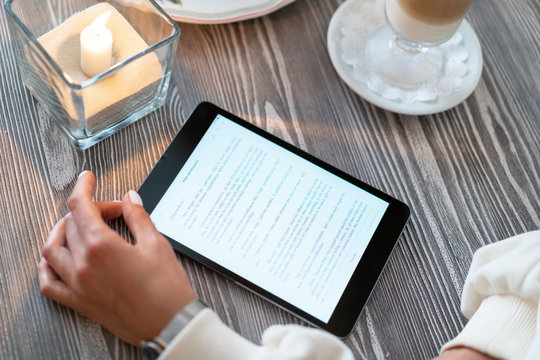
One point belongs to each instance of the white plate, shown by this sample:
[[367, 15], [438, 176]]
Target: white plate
[[442, 103], [219, 11]]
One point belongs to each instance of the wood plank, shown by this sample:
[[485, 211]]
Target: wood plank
[[470, 174]]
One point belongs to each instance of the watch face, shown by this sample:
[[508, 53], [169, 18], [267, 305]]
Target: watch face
[[150, 351]]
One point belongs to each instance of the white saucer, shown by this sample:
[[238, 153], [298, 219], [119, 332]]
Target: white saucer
[[441, 103], [219, 11]]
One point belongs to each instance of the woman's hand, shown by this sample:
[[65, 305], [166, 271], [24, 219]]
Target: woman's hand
[[132, 290], [463, 353]]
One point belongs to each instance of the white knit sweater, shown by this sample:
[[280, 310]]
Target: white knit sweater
[[500, 298], [207, 338]]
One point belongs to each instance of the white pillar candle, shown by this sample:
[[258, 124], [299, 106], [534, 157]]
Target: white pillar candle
[[96, 47]]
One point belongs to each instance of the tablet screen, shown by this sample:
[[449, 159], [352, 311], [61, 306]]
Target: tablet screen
[[270, 216]]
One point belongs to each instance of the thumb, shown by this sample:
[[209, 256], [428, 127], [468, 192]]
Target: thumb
[[137, 219]]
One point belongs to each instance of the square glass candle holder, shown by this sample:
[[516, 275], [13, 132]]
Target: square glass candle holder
[[89, 109]]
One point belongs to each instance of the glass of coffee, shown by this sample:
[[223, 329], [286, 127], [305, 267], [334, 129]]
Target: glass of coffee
[[406, 53]]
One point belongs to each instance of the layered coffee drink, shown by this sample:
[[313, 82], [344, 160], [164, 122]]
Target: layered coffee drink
[[426, 21]]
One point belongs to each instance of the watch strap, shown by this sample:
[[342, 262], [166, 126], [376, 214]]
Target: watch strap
[[173, 328], [179, 322]]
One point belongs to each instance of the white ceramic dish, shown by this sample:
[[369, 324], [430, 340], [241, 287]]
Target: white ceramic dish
[[219, 11], [442, 103]]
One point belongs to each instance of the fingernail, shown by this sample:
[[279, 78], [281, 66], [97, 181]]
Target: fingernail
[[81, 174], [135, 198]]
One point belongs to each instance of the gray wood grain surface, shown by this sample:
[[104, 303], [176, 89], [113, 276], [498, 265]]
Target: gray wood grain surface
[[470, 174]]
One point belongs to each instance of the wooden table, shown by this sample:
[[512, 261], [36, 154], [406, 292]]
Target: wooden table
[[470, 174]]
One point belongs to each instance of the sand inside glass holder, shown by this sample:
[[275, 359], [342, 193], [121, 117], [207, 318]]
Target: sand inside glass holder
[[88, 110]]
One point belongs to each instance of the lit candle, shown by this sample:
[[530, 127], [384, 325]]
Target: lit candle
[[96, 46]]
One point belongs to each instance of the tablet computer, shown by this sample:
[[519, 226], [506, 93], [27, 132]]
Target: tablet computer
[[276, 220]]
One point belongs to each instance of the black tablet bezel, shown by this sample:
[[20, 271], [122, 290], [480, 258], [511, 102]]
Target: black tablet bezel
[[371, 264]]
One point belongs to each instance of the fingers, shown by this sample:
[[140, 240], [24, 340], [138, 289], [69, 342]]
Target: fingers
[[51, 286], [56, 254], [109, 209], [81, 198], [137, 219], [86, 214], [74, 239]]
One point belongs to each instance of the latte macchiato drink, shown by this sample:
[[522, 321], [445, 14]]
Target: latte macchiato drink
[[426, 21]]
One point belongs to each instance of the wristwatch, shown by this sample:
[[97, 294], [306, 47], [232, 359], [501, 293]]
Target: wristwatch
[[150, 350]]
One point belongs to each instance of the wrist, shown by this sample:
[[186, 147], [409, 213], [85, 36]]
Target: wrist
[[463, 352], [165, 312], [152, 349]]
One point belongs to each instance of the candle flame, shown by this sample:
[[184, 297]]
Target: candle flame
[[102, 19]]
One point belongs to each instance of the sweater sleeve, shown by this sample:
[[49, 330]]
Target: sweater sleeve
[[206, 337], [500, 299]]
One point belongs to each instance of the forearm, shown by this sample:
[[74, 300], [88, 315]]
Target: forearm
[[463, 353]]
